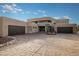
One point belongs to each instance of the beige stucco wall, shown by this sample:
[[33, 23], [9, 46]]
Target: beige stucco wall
[[9, 21], [32, 27], [1, 25], [61, 21], [77, 27]]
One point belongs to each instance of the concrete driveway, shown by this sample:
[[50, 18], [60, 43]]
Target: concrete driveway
[[43, 45]]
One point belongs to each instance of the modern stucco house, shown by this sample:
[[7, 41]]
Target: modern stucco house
[[9, 26], [61, 25]]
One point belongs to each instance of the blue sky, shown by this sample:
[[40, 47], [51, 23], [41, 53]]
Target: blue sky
[[24, 11]]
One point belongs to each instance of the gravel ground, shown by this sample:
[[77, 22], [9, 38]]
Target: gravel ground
[[5, 40], [43, 45]]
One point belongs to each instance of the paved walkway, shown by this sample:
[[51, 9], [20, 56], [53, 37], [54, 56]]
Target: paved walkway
[[43, 45]]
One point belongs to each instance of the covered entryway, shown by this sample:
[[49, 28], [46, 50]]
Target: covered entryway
[[16, 30], [64, 29], [41, 28]]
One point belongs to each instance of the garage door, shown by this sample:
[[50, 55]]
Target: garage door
[[65, 29], [16, 30]]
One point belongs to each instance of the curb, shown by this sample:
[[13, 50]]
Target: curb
[[8, 43]]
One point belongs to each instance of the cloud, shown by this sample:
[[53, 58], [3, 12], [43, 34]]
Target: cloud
[[22, 13], [11, 8], [56, 17], [17, 9], [35, 13], [41, 11], [64, 17], [14, 11], [67, 17], [13, 4], [14, 8], [7, 7], [28, 12], [3, 11]]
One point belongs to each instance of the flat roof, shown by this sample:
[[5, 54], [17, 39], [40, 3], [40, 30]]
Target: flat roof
[[11, 18]]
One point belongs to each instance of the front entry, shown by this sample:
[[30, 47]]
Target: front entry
[[41, 28]]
